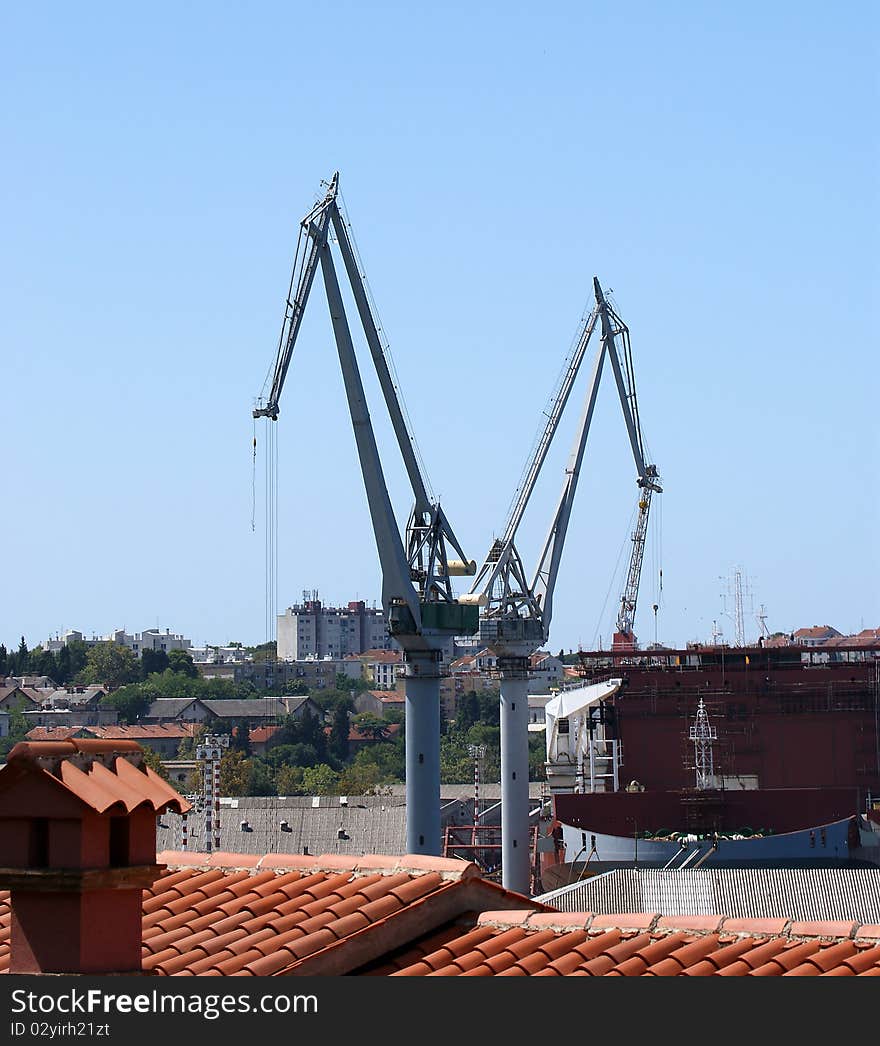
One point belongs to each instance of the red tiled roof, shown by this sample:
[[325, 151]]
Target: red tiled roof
[[246, 915], [250, 915], [142, 731], [261, 734], [518, 944], [388, 695], [816, 632], [386, 656], [100, 774], [53, 733]]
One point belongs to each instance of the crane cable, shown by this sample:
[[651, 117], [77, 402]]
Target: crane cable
[[271, 526], [254, 483]]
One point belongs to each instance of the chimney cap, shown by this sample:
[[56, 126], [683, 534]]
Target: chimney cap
[[101, 774]]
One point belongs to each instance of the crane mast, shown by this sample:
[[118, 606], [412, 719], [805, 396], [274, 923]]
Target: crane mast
[[517, 613], [420, 607]]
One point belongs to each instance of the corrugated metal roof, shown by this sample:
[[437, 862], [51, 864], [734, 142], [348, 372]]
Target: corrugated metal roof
[[375, 827], [801, 893]]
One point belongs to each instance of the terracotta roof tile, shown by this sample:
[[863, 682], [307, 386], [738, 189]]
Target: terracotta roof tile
[[823, 929], [415, 888], [786, 959], [651, 953], [755, 927], [348, 924], [683, 958], [868, 931], [727, 953], [751, 959], [823, 960]]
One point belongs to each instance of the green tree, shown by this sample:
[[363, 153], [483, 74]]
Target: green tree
[[78, 654], [130, 702], [388, 756], [338, 744], [468, 711], [537, 757], [346, 683], [63, 667], [371, 725], [363, 779], [18, 728], [181, 663], [111, 664], [320, 779], [4, 660], [298, 754], [264, 652], [154, 762], [260, 780], [289, 780], [22, 659], [153, 661], [241, 737], [42, 663], [235, 772], [490, 706], [330, 700]]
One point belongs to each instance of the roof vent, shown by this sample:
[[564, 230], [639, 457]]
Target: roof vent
[[285, 827], [244, 826], [343, 800]]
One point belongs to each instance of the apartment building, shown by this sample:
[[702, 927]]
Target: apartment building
[[312, 630]]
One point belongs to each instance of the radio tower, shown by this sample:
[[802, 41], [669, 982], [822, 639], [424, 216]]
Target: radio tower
[[738, 608], [739, 587]]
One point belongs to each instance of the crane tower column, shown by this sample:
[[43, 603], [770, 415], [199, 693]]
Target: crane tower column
[[514, 722], [422, 674]]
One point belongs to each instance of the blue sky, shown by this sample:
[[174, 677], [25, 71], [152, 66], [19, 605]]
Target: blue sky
[[715, 165]]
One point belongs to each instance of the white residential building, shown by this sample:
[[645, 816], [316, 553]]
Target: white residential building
[[151, 639], [219, 655], [311, 630]]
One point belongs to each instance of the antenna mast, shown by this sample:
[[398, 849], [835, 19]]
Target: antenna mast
[[703, 734]]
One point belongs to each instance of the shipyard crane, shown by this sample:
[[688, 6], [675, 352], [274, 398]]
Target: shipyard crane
[[516, 612], [422, 612]]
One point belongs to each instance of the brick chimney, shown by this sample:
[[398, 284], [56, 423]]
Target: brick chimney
[[77, 848]]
